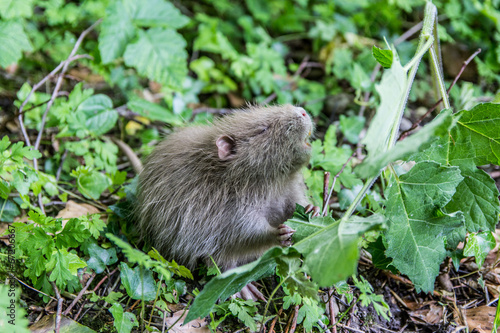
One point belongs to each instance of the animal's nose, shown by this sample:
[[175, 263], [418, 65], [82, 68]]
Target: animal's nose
[[302, 112]]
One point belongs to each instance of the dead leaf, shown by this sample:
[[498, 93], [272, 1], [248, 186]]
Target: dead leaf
[[432, 316], [194, 326], [74, 209], [480, 318], [47, 325]]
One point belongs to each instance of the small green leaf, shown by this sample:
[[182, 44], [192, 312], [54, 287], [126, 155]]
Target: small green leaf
[[383, 57], [123, 321], [99, 257], [351, 127], [479, 245], [92, 184], [8, 210], [99, 114], [154, 112], [138, 282]]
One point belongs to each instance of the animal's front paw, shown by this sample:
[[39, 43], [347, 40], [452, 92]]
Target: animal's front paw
[[285, 235], [250, 292], [314, 209]]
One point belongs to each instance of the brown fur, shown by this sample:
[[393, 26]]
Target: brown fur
[[193, 204]]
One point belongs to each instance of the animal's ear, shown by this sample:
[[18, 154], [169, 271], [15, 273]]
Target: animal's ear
[[225, 147]]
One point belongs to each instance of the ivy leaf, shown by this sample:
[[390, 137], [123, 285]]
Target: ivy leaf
[[332, 254], [418, 229], [13, 42], [90, 183], [123, 321], [479, 245], [8, 209], [138, 282], [99, 257], [374, 162], [99, 114], [160, 55], [117, 31], [391, 89], [383, 57]]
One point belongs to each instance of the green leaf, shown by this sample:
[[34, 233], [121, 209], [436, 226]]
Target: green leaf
[[351, 127], [232, 281], [383, 57], [117, 31], [391, 89], [160, 55], [13, 42], [379, 259], [332, 254], [92, 184], [123, 321], [99, 257], [11, 9], [8, 210], [99, 114], [154, 112], [73, 234], [138, 282], [418, 228], [374, 162], [157, 13], [59, 265], [304, 225], [479, 245]]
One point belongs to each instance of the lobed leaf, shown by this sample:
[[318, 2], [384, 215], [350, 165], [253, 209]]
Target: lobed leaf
[[13, 42]]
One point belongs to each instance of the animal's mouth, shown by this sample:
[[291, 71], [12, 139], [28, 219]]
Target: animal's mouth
[[307, 143]]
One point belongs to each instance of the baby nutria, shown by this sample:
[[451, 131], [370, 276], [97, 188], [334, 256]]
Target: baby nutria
[[223, 190]]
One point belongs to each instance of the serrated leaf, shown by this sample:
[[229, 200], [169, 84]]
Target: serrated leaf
[[123, 321], [154, 112], [232, 281], [160, 55], [383, 57], [99, 114], [479, 245], [59, 265], [304, 225], [332, 254], [391, 89], [436, 128], [117, 31], [138, 282], [73, 234], [418, 229], [13, 42], [473, 140], [11, 9], [157, 13]]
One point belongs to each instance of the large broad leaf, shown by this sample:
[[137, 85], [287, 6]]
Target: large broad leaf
[[391, 89], [99, 113], [474, 140], [374, 162], [418, 228], [124, 322], [92, 184], [332, 253], [160, 55], [230, 282], [13, 42]]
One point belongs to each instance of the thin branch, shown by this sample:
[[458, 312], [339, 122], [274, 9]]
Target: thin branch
[[323, 213], [60, 301], [415, 125], [30, 287], [80, 294]]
